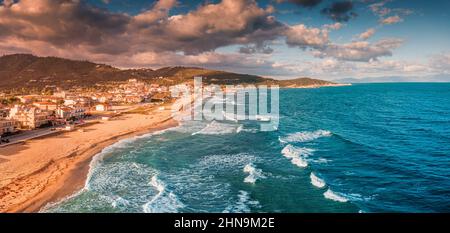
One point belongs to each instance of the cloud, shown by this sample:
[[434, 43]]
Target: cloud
[[391, 20], [73, 24], [380, 9], [303, 3], [335, 26], [441, 62], [7, 3], [252, 49], [367, 34], [60, 23], [359, 51], [382, 12], [340, 11], [304, 37], [155, 37]]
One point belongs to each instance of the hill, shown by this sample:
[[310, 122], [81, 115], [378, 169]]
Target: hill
[[28, 71]]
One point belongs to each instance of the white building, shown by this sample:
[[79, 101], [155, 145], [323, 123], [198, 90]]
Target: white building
[[103, 107], [29, 117]]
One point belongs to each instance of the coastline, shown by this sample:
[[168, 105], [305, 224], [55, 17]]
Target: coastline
[[318, 86], [35, 174]]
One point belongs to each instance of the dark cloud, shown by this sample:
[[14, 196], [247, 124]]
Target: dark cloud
[[340, 11], [76, 29], [306, 3]]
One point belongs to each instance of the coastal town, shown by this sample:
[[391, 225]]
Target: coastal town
[[29, 116]]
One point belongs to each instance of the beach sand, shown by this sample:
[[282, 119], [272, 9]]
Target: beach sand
[[46, 170]]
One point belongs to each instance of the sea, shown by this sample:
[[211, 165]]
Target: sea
[[365, 148]]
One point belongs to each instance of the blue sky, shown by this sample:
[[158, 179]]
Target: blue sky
[[276, 38]]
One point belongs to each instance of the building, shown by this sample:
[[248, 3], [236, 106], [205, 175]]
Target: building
[[70, 112], [28, 99], [48, 106], [6, 126], [53, 99], [29, 117], [4, 111], [133, 99], [103, 107]]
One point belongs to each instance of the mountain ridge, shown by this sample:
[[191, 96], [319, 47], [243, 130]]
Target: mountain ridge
[[29, 71]]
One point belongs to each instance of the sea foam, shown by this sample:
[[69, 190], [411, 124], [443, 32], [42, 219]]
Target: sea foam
[[217, 128], [243, 204], [163, 201], [316, 181], [297, 155], [329, 194], [304, 136], [253, 173]]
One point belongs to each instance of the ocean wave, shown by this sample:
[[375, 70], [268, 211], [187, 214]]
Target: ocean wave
[[304, 136], [225, 161], [119, 201], [329, 194], [316, 181], [297, 155], [217, 128], [253, 173], [239, 129], [163, 201], [320, 160], [244, 204]]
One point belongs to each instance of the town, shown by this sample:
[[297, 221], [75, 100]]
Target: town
[[24, 117]]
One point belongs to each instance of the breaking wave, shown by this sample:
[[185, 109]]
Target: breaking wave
[[297, 155], [163, 201], [253, 173], [316, 181], [217, 128], [329, 194], [304, 136], [244, 204]]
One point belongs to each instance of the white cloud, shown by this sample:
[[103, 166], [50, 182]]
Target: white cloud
[[361, 51], [391, 20], [304, 37], [367, 34]]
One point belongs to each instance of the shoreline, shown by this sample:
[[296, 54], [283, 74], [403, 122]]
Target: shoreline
[[62, 176], [318, 86]]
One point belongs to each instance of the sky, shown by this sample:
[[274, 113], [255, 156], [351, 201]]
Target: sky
[[327, 39]]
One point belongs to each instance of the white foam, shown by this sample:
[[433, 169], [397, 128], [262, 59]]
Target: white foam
[[217, 128], [119, 201], [253, 173], [243, 204], [305, 136], [300, 162], [297, 155], [239, 129], [316, 181], [163, 201], [329, 194]]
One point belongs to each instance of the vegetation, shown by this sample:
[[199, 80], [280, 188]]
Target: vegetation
[[25, 73]]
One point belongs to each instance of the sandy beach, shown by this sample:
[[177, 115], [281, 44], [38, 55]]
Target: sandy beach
[[45, 170]]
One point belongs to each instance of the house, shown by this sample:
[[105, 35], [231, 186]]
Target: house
[[6, 126], [27, 99], [48, 106], [53, 99], [69, 112], [29, 117], [133, 99], [103, 107]]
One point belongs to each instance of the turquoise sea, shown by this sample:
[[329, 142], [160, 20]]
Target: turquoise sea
[[360, 148]]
